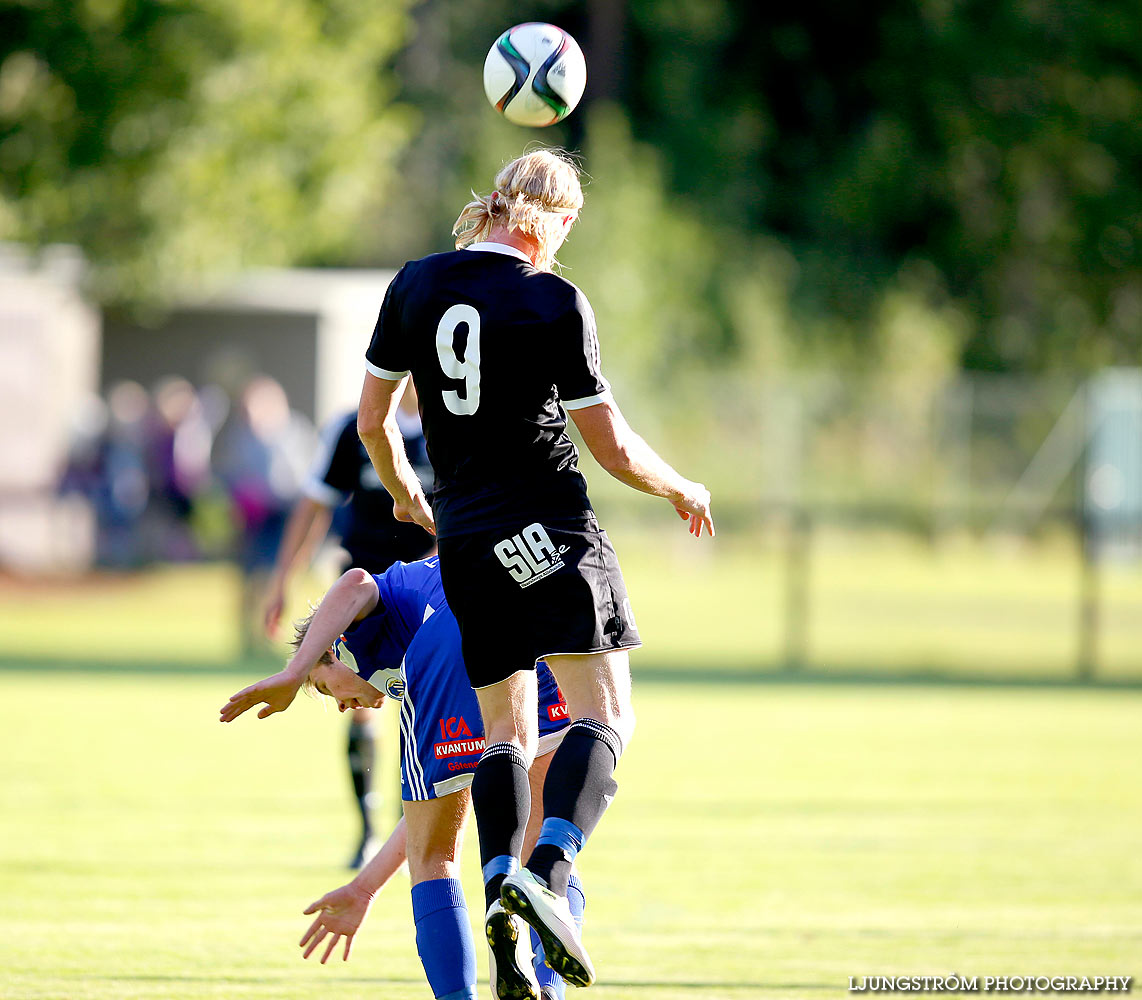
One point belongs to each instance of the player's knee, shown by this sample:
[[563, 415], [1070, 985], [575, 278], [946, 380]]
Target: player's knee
[[620, 712], [432, 862], [619, 718], [622, 721], [625, 726], [519, 737], [528, 744]]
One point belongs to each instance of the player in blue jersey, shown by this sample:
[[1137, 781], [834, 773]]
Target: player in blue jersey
[[399, 631]]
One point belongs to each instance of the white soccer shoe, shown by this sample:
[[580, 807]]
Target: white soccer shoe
[[509, 956], [522, 893]]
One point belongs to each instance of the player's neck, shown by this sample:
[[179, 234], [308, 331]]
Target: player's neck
[[514, 238]]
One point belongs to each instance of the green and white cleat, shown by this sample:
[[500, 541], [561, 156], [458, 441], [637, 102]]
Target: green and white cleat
[[509, 956], [523, 894]]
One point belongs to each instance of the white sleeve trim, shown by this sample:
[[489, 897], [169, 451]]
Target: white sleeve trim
[[580, 404], [314, 486], [321, 492], [384, 372]]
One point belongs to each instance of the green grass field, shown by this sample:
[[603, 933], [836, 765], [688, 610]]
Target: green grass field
[[768, 841], [878, 604]]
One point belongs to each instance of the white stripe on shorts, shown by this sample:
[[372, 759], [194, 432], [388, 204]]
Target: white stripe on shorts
[[413, 765]]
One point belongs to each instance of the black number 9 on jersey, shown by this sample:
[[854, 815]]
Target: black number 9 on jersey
[[466, 369]]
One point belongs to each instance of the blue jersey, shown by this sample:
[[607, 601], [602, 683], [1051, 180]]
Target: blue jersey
[[408, 595], [409, 647]]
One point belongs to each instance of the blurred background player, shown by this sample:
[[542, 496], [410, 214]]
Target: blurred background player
[[259, 458], [107, 464], [343, 492]]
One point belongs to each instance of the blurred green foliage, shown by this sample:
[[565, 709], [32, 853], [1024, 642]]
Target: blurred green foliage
[[183, 140], [997, 143], [920, 184]]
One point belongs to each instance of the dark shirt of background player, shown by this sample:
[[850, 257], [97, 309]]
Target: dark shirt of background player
[[370, 535], [343, 490]]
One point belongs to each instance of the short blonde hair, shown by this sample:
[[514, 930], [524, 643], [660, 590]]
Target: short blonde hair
[[533, 194], [300, 630]]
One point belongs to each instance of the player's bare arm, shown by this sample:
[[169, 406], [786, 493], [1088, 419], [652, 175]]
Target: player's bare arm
[[627, 457], [308, 523], [350, 599], [377, 427], [341, 911]]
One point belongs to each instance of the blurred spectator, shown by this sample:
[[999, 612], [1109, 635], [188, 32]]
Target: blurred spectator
[[342, 491], [261, 457], [108, 466], [178, 465]]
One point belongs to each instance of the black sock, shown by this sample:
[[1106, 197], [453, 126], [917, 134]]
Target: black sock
[[501, 799], [578, 788], [362, 750]]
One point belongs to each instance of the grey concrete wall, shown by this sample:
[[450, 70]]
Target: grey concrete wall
[[221, 345]]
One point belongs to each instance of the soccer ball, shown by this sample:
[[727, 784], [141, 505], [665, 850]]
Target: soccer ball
[[535, 74]]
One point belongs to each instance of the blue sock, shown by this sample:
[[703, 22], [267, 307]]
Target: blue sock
[[577, 901], [444, 938], [495, 871]]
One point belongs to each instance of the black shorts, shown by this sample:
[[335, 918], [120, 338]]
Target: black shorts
[[536, 590]]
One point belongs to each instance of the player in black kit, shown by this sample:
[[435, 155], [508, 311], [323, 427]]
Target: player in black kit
[[501, 349], [342, 490]]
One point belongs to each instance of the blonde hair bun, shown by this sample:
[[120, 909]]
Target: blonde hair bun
[[534, 194]]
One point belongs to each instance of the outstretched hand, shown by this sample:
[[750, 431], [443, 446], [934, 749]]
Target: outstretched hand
[[695, 508], [340, 914], [277, 692]]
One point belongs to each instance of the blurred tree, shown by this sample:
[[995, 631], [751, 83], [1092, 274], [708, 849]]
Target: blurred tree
[[998, 141], [174, 140]]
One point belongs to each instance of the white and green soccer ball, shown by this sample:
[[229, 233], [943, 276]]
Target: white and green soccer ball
[[535, 74]]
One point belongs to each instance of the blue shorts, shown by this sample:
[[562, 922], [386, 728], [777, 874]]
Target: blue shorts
[[442, 734]]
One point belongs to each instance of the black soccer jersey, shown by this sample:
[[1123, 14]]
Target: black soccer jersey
[[499, 351], [342, 477]]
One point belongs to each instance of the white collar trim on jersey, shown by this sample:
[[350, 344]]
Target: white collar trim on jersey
[[499, 248]]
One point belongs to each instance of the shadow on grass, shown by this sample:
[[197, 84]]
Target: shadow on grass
[[663, 984], [267, 980], [253, 667], [259, 980], [918, 675]]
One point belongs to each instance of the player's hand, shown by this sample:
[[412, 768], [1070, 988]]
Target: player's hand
[[417, 511], [695, 508], [275, 605], [339, 915], [276, 692]]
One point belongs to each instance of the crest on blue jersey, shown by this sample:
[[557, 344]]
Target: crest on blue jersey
[[342, 651]]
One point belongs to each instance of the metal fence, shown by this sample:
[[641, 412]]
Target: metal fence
[[1006, 512]]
